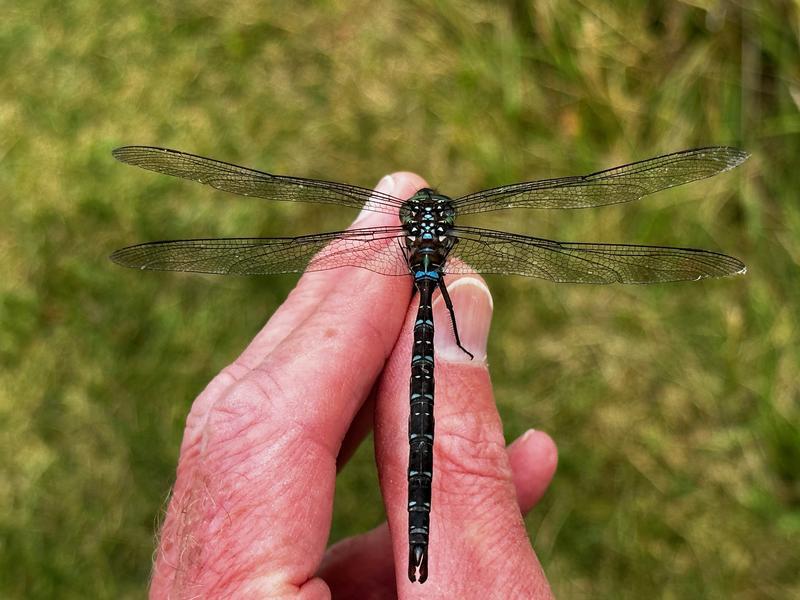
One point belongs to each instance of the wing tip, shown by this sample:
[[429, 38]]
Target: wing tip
[[121, 153], [129, 154], [730, 156], [736, 156], [733, 269], [119, 257]]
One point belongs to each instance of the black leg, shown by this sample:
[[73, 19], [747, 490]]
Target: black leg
[[449, 304]]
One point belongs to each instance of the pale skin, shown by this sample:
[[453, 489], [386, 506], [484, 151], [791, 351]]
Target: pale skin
[[251, 507]]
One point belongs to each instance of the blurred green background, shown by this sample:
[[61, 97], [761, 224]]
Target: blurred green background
[[675, 407]]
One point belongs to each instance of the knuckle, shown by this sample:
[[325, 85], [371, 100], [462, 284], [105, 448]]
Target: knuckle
[[247, 403], [472, 453]]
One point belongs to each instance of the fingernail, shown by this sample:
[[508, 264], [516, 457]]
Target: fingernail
[[522, 440], [385, 186], [472, 304]]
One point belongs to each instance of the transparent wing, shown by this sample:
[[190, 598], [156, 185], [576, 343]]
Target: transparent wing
[[250, 182], [612, 186], [379, 249], [486, 251]]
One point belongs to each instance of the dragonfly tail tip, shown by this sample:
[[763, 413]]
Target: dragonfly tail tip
[[418, 563]]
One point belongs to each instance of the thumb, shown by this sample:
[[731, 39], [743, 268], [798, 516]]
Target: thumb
[[477, 535]]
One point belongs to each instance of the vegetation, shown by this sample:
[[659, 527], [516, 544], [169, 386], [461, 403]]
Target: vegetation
[[675, 407]]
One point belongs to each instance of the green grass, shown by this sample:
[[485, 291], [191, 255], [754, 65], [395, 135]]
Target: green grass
[[675, 407]]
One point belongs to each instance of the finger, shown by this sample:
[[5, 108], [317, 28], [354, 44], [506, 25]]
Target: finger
[[533, 458], [312, 286], [477, 534], [301, 304], [362, 566], [330, 361], [359, 428], [256, 475]]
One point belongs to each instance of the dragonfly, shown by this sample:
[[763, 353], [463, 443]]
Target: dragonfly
[[426, 245]]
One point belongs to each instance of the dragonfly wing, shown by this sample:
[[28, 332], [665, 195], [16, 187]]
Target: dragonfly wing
[[250, 182], [484, 251], [612, 186], [378, 249]]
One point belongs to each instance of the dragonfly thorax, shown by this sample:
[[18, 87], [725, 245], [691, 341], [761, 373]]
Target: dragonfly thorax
[[427, 216]]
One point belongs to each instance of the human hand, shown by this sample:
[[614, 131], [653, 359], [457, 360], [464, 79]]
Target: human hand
[[251, 508]]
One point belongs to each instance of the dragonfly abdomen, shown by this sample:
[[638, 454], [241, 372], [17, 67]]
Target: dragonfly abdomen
[[420, 432]]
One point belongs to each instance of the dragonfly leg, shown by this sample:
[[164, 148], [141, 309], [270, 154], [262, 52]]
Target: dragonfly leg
[[449, 304]]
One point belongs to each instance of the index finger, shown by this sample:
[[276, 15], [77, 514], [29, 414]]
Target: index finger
[[254, 493]]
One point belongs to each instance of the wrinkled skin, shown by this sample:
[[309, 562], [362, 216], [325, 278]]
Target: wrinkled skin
[[251, 508]]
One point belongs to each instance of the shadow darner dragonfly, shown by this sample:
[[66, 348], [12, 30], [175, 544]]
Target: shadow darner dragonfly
[[428, 244]]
